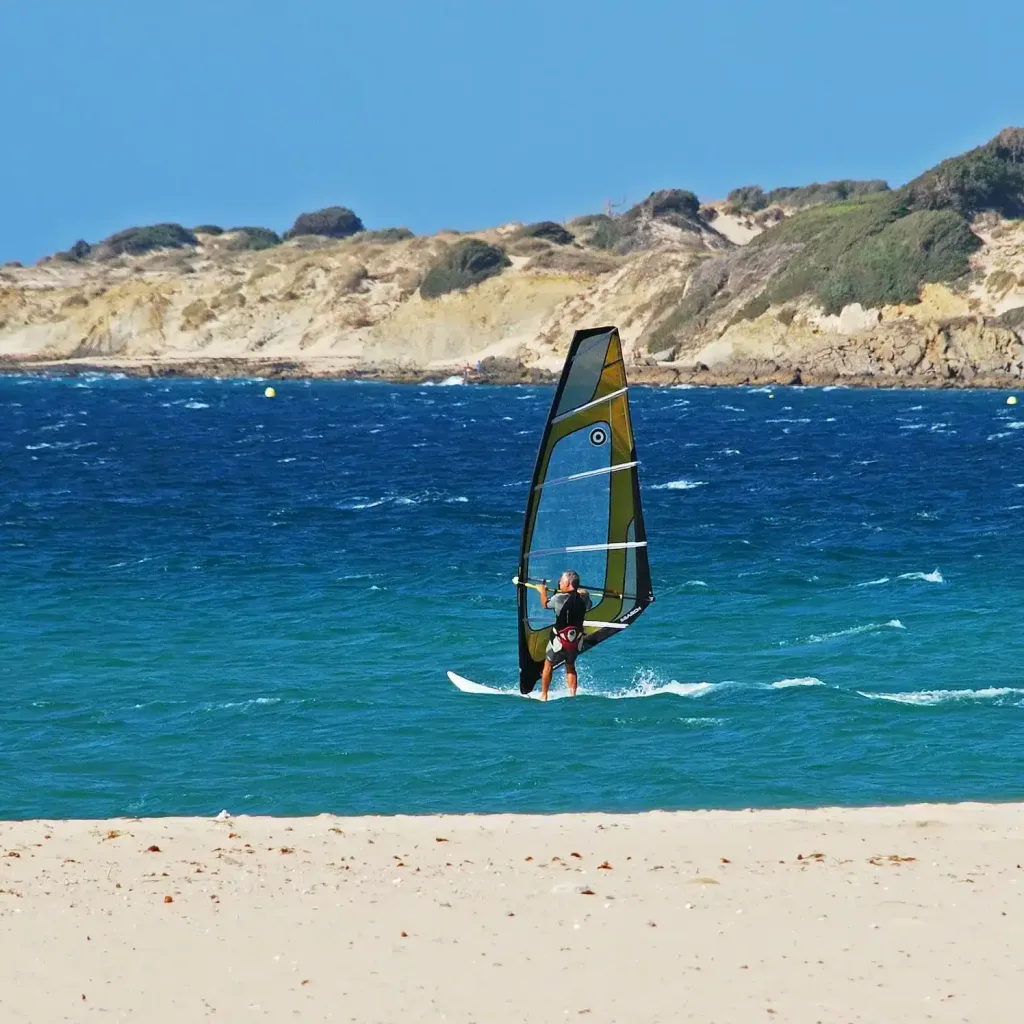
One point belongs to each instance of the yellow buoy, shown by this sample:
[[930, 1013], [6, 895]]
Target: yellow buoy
[[1012, 400], [269, 392]]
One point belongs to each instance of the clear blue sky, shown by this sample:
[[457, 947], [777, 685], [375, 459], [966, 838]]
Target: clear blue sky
[[467, 114]]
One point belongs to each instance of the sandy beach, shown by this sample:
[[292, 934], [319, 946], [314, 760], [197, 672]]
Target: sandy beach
[[833, 915]]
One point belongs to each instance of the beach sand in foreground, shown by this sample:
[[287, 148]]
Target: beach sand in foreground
[[833, 915]]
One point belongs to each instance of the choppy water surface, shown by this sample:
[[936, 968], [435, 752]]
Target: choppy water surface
[[211, 599]]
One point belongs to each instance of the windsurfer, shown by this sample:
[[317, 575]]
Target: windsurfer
[[570, 605]]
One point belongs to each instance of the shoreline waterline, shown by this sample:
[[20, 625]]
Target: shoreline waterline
[[327, 369]]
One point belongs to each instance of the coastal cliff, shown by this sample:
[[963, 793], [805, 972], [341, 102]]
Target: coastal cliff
[[848, 282]]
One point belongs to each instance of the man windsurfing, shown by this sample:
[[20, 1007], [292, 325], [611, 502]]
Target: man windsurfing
[[570, 605]]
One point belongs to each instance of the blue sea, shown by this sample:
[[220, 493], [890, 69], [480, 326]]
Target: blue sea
[[215, 600]]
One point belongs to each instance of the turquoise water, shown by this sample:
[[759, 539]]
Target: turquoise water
[[215, 600]]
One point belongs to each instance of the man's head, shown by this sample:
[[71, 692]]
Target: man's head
[[569, 580]]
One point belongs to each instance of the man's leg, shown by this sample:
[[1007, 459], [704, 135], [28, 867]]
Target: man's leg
[[570, 675], [545, 679]]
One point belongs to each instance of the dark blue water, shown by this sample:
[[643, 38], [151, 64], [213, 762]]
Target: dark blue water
[[215, 600]]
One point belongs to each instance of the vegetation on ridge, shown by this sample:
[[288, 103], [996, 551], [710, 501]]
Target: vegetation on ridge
[[466, 263], [751, 198], [253, 238], [331, 222], [135, 241]]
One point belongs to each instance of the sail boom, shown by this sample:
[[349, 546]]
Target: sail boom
[[589, 547], [588, 473], [589, 405]]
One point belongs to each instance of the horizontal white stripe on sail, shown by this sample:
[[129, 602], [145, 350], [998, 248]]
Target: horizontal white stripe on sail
[[589, 472], [589, 547], [590, 405], [606, 625]]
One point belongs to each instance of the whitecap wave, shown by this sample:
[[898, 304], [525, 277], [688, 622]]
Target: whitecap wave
[[870, 627], [694, 583], [785, 684], [195, 405], [680, 485], [932, 697], [245, 705], [928, 577]]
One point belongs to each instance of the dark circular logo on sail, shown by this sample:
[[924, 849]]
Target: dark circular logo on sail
[[598, 436]]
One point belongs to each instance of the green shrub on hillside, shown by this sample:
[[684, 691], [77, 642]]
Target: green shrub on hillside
[[331, 222], [135, 241], [752, 198], [548, 230], [826, 233], [208, 229], [597, 230], [977, 181], [253, 238], [827, 192], [928, 245], [874, 251], [81, 250], [748, 199], [386, 235], [674, 205], [463, 265]]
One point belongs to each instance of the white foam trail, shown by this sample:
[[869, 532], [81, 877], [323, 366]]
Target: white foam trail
[[875, 583], [871, 627], [785, 684], [929, 577], [644, 685], [694, 583], [1016, 424], [196, 405], [932, 697], [649, 688], [680, 485]]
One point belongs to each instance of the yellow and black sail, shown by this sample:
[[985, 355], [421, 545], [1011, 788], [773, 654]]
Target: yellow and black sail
[[583, 511]]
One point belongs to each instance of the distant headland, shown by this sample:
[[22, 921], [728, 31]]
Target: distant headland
[[844, 282]]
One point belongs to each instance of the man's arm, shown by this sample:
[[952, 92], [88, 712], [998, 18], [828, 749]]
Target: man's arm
[[543, 591]]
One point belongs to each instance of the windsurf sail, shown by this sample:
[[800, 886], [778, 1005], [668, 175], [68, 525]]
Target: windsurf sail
[[583, 511]]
